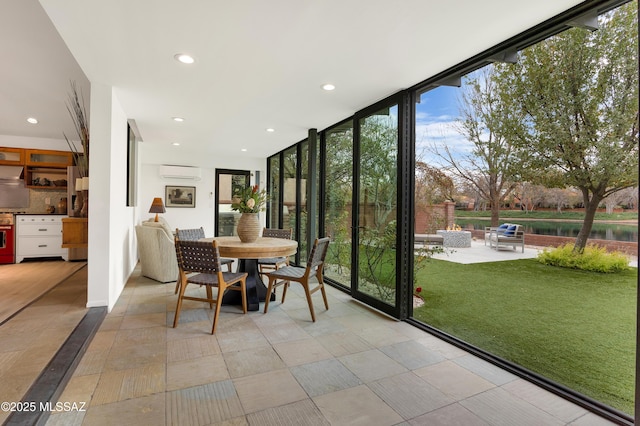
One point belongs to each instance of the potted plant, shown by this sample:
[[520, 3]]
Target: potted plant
[[249, 201]]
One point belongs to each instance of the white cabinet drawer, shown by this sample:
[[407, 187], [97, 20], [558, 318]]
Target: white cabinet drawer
[[32, 219], [44, 229], [41, 247]]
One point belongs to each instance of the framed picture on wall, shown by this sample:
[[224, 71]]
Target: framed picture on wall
[[179, 196]]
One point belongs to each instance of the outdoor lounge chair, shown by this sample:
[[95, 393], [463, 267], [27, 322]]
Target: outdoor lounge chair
[[511, 236], [489, 230]]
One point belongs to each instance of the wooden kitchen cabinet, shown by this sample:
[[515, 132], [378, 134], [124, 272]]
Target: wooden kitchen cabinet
[[75, 237], [48, 158], [11, 156], [47, 169], [75, 232]]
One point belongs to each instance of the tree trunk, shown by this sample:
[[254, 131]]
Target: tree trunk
[[590, 208], [495, 213]]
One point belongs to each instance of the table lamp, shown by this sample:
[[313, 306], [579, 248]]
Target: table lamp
[[157, 207]]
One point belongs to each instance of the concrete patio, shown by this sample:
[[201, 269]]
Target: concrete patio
[[479, 252]]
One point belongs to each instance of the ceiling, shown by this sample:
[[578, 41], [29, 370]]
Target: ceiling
[[259, 64]]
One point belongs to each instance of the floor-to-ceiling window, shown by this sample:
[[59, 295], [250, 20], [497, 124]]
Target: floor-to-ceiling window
[[478, 144], [273, 207], [290, 207], [362, 205], [338, 201], [376, 176], [303, 204]]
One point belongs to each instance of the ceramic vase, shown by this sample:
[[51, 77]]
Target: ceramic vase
[[77, 204], [62, 205], [85, 204], [249, 227]]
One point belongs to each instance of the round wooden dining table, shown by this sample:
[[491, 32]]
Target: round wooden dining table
[[248, 255]]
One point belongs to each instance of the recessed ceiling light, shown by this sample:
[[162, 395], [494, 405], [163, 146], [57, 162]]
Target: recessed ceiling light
[[176, 144], [271, 130], [328, 87], [184, 58], [32, 120], [178, 119], [244, 150]]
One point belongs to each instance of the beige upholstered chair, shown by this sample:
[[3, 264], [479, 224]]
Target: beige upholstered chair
[[156, 251], [199, 263], [315, 267]]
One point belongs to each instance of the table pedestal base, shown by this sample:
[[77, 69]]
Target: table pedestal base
[[256, 290]]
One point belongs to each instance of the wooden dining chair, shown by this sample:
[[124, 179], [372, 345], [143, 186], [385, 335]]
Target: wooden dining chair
[[199, 263], [273, 263], [315, 267], [194, 234]]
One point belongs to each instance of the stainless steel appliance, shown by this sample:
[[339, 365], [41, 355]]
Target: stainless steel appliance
[[7, 238]]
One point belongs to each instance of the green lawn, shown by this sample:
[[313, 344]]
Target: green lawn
[[574, 327]]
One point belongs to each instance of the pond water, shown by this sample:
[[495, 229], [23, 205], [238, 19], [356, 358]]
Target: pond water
[[602, 231]]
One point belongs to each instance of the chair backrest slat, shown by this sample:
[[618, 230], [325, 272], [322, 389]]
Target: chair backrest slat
[[318, 253], [198, 256], [193, 234], [277, 233]]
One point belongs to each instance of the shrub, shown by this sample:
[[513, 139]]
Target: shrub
[[594, 258]]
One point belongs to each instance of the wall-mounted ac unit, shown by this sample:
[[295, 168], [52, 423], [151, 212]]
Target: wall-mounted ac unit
[[180, 172]]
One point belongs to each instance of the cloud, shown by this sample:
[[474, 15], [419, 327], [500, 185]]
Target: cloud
[[440, 133]]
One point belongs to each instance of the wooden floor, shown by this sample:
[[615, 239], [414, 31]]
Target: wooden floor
[[21, 284]]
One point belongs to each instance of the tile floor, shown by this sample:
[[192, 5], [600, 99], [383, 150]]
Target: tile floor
[[32, 337], [353, 366]]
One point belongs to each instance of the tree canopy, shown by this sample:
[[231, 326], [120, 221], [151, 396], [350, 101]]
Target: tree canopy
[[578, 94]]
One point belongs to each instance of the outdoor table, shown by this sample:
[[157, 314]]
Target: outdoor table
[[248, 255], [455, 238]]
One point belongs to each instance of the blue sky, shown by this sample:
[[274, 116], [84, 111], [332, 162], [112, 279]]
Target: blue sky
[[436, 114]]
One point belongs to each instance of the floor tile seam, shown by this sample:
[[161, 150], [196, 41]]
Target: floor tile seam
[[456, 397], [454, 401], [108, 351], [123, 375], [536, 406], [372, 392]]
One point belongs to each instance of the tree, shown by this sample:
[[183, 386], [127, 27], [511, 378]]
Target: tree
[[432, 185], [378, 169], [558, 197], [489, 165], [628, 196], [579, 93]]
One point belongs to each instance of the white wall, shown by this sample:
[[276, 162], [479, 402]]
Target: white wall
[[152, 185], [37, 143], [112, 250]]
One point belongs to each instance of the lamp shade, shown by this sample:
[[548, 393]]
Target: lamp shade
[[157, 207]]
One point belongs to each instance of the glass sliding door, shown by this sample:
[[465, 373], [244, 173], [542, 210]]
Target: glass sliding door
[[289, 191], [337, 199], [303, 207], [376, 173], [226, 183], [273, 208]]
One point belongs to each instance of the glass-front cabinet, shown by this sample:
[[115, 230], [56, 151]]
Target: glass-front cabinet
[[11, 156]]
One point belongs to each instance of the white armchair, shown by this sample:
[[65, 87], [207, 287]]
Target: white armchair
[[157, 252]]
